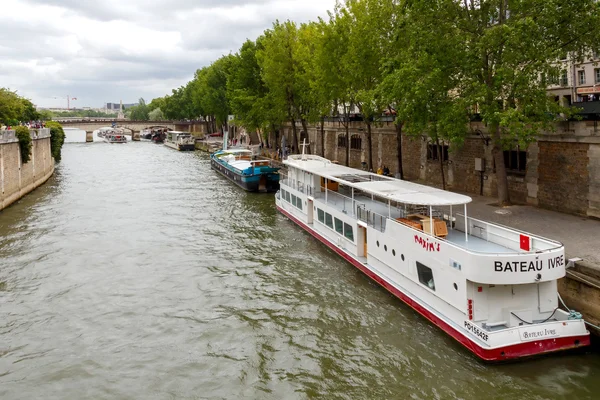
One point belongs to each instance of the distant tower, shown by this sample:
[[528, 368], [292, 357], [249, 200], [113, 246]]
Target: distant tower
[[120, 115]]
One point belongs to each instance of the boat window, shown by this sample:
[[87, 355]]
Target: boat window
[[287, 196], [321, 215], [348, 232], [339, 226], [283, 194], [425, 276], [328, 220], [293, 200], [299, 203]]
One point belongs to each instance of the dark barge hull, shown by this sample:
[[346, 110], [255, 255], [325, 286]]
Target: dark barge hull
[[250, 183]]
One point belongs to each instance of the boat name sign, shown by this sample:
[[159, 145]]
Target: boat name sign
[[528, 266], [528, 334], [476, 331]]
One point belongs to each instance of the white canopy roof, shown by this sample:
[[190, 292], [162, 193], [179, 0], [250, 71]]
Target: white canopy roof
[[377, 185]]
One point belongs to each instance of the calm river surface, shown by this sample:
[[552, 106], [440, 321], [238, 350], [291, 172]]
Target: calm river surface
[[136, 272]]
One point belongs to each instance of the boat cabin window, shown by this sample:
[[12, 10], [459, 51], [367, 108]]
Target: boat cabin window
[[339, 226], [425, 276], [328, 220], [348, 232], [294, 200], [299, 203], [287, 197], [321, 215]]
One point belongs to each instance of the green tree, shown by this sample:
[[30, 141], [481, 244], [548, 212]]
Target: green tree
[[139, 112], [57, 139], [22, 133], [334, 75], [156, 115], [424, 76], [11, 106], [279, 71], [46, 115], [249, 98], [510, 46]]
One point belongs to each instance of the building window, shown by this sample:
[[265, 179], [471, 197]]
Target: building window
[[321, 215], [553, 78], [515, 160], [356, 142], [433, 152], [564, 78], [597, 74], [425, 276], [581, 75], [342, 141], [348, 232]]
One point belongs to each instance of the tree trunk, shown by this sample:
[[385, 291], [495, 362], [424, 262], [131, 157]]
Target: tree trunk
[[322, 136], [347, 126], [399, 125], [305, 129], [441, 158], [501, 177], [370, 146], [294, 136]]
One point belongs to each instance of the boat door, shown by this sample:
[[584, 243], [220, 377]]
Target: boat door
[[309, 211], [262, 183], [361, 241]]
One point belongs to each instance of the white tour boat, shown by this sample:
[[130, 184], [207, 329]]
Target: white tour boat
[[115, 138], [490, 287], [181, 141]]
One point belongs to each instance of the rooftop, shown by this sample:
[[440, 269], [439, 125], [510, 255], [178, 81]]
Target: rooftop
[[378, 185]]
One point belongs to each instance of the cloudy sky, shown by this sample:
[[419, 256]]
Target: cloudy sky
[[102, 51]]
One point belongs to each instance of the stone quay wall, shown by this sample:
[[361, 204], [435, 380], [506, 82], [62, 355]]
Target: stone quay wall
[[17, 179], [562, 166]]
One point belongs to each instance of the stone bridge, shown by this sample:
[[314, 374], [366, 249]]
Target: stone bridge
[[135, 127]]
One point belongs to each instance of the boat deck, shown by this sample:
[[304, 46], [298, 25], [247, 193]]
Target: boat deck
[[456, 237]]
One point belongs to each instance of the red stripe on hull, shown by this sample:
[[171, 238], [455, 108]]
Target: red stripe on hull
[[511, 352]]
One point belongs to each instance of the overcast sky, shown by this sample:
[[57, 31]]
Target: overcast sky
[[102, 51]]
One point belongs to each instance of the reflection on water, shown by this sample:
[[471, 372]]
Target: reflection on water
[[137, 272]]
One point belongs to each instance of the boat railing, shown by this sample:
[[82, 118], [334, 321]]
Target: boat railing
[[299, 186], [503, 235]]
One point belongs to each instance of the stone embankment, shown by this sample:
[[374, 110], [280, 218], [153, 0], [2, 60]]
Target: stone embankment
[[18, 179]]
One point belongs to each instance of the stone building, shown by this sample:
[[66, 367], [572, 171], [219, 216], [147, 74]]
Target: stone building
[[560, 171]]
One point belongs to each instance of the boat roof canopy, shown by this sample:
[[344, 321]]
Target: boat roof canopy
[[378, 185]]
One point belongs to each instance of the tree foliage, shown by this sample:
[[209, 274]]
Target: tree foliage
[[139, 112], [57, 139], [22, 133]]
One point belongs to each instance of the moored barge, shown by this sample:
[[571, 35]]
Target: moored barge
[[237, 165]]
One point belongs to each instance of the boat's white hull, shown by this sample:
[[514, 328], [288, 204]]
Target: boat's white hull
[[501, 346]]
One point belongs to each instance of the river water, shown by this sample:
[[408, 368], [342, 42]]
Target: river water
[[136, 272]]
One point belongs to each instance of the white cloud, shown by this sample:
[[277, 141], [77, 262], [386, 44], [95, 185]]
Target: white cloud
[[122, 50]]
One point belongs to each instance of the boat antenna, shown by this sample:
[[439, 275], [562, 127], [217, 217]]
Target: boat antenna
[[304, 144]]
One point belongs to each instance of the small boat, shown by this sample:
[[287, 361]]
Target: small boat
[[103, 131], [238, 166], [181, 141], [490, 287], [115, 138]]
